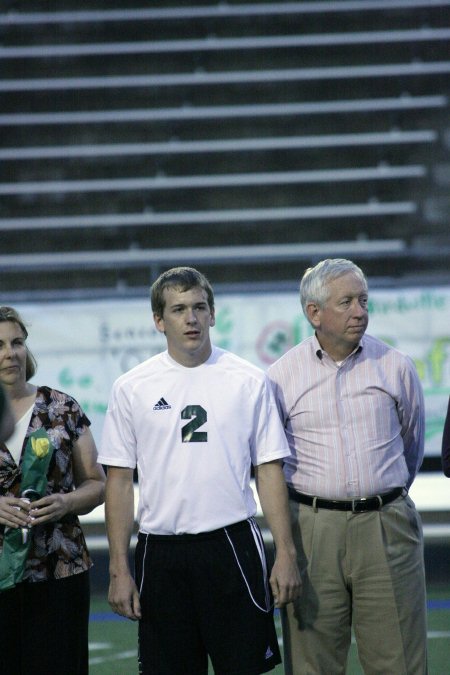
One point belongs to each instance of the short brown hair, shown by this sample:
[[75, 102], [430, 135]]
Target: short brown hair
[[184, 278]]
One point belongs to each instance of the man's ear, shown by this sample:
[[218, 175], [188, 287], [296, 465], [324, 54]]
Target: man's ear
[[313, 314], [212, 319], [159, 322]]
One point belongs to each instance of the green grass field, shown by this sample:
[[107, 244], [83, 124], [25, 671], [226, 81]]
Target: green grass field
[[112, 642]]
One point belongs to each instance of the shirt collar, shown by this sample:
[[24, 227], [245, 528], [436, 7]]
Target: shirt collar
[[319, 352]]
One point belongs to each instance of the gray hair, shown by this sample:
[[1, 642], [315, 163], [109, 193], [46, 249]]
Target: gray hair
[[314, 286]]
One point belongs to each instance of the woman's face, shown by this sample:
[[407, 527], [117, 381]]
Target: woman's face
[[13, 354]]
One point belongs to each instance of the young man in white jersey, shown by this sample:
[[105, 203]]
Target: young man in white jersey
[[193, 420]]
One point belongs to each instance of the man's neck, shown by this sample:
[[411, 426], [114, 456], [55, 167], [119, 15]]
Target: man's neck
[[191, 360]]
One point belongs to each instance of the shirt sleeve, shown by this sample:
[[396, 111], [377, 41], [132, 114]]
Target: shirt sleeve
[[118, 445], [270, 440], [77, 421], [411, 412], [445, 454]]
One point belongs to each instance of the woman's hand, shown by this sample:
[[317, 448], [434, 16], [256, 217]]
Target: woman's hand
[[89, 483], [50, 509], [14, 512]]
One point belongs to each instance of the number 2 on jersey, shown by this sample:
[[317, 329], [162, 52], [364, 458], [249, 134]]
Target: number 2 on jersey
[[198, 417]]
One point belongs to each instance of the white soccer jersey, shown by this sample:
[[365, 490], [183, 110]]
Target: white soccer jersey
[[193, 434]]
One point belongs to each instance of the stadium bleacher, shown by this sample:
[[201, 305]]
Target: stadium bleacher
[[248, 138]]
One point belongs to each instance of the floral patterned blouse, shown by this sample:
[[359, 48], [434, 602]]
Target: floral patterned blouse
[[58, 549]]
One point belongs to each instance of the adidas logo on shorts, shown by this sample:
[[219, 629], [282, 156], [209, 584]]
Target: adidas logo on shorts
[[162, 405], [268, 653]]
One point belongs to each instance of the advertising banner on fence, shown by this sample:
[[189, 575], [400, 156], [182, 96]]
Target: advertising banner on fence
[[82, 347]]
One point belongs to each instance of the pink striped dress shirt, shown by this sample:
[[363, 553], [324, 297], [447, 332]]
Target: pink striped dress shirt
[[354, 429]]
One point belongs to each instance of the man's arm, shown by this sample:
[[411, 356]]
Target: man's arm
[[119, 511], [285, 577], [411, 411]]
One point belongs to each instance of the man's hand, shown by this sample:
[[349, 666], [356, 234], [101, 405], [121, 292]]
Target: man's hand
[[285, 580], [123, 596]]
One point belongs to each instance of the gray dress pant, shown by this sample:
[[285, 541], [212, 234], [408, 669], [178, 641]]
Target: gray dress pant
[[363, 570]]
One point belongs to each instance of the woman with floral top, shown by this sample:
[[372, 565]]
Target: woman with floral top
[[44, 597]]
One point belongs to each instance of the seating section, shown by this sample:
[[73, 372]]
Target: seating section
[[249, 139]]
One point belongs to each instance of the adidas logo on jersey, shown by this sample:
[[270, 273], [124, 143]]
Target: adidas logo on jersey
[[162, 405]]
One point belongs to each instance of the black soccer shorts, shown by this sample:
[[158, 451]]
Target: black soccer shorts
[[205, 595]]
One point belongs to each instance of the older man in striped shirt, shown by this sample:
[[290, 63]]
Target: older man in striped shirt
[[353, 412]]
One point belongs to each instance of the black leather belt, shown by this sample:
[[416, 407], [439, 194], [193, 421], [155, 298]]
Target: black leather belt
[[357, 505]]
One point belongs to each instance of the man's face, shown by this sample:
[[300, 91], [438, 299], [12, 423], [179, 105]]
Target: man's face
[[342, 322], [186, 321]]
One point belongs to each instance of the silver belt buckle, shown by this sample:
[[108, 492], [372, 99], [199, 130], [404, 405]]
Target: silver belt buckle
[[356, 502]]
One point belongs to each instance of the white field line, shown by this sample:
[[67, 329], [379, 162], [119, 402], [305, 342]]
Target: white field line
[[121, 656]]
